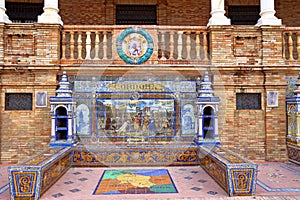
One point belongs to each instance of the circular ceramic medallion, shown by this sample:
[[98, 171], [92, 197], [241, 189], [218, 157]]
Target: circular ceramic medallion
[[134, 45]]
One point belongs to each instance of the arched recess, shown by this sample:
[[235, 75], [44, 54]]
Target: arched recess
[[208, 123], [61, 123]]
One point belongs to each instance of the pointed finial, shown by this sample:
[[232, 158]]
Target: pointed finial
[[205, 87], [64, 89]]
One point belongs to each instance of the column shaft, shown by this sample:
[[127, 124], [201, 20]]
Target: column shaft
[[217, 14], [3, 17], [50, 15], [267, 14]]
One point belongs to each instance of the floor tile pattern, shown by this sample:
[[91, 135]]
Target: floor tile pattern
[[3, 179], [275, 181], [279, 177]]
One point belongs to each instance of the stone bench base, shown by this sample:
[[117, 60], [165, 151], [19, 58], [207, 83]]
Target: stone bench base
[[236, 175]]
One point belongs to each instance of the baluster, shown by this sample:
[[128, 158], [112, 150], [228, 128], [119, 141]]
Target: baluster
[[298, 45], [283, 46], [205, 46], [72, 45], [104, 45], [198, 45], [88, 45], [179, 47], [290, 42], [63, 47], [162, 46], [171, 45], [97, 42], [188, 45], [80, 46]]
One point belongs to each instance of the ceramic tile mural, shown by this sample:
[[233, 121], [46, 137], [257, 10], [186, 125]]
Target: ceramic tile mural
[[83, 117], [143, 117], [188, 120], [134, 108]]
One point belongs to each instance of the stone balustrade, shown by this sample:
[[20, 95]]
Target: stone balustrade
[[291, 44], [28, 45], [98, 44]]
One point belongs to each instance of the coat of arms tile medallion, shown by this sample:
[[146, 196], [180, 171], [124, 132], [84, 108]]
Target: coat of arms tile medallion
[[134, 45]]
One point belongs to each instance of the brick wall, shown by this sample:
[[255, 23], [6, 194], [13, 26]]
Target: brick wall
[[188, 12], [31, 45], [29, 64], [238, 54], [97, 12], [82, 12], [288, 11], [241, 131], [25, 132], [275, 119]]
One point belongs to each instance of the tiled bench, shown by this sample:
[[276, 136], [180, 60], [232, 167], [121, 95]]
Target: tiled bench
[[32, 178], [236, 175]]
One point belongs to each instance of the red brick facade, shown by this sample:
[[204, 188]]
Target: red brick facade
[[245, 58]]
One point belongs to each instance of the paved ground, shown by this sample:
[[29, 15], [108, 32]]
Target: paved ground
[[275, 181]]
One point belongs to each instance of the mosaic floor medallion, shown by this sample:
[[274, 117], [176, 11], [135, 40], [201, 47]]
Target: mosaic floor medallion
[[135, 182]]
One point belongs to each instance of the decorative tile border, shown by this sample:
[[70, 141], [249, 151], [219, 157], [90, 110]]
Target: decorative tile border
[[270, 189], [4, 188], [135, 156]]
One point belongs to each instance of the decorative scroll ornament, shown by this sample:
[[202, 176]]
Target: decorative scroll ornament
[[134, 45], [25, 184]]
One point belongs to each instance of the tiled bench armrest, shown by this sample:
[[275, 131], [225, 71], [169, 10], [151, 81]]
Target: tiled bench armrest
[[235, 174], [32, 178]]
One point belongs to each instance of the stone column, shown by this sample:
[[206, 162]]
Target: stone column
[[217, 14], [3, 17], [267, 14], [50, 15]]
